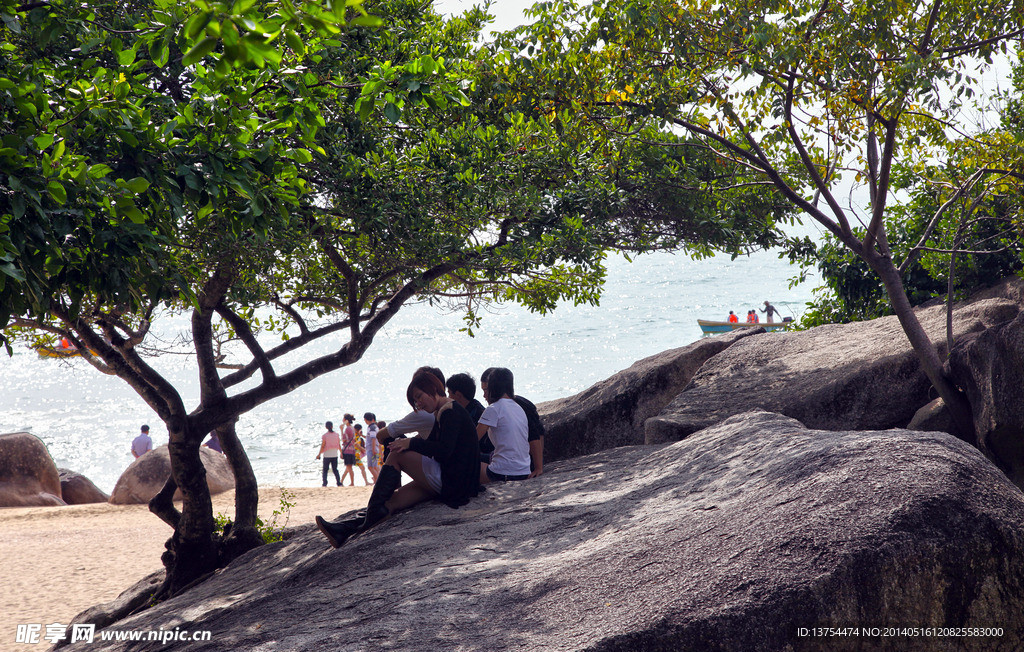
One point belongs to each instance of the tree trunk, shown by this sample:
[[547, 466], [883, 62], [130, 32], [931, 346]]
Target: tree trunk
[[192, 551], [244, 535], [957, 405]]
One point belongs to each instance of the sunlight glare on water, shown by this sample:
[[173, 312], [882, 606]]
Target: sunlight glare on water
[[88, 419]]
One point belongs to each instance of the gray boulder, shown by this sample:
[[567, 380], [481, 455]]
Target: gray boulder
[[733, 539], [28, 476], [933, 416], [612, 412], [145, 477], [76, 489], [989, 366], [858, 376]]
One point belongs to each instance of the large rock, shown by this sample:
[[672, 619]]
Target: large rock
[[733, 539], [989, 366], [612, 412], [76, 489], [858, 376], [145, 477], [28, 476]]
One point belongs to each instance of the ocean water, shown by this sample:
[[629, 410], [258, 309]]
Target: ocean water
[[651, 304]]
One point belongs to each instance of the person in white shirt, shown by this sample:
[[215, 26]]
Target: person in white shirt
[[505, 424], [142, 444]]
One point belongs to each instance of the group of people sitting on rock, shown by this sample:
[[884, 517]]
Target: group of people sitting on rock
[[459, 445]]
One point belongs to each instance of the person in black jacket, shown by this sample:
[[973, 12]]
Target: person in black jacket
[[444, 465]]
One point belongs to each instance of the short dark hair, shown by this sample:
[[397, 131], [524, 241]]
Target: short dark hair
[[463, 383], [370, 416], [427, 383], [145, 428], [433, 371], [330, 425], [382, 424], [487, 374], [358, 426], [500, 383]]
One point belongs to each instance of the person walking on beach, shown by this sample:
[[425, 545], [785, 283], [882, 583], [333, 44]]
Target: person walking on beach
[[372, 445], [770, 309], [142, 444], [348, 449], [330, 448], [360, 452]]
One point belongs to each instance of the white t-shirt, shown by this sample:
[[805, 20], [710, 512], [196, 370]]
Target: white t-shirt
[[508, 430]]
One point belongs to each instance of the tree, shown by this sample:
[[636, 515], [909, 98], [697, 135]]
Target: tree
[[807, 96], [960, 229], [283, 177]]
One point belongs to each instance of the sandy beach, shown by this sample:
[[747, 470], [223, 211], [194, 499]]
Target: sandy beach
[[57, 561]]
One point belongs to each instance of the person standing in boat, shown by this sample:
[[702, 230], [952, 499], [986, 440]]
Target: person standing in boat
[[770, 309]]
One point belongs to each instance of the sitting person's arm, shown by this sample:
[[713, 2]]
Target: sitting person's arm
[[535, 436], [442, 445], [417, 421], [537, 457]]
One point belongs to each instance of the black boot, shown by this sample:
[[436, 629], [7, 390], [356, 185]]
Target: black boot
[[337, 532], [388, 481]]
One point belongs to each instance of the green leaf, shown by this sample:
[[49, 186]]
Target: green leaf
[[199, 50], [43, 141], [392, 113], [138, 185], [126, 57], [301, 155], [99, 170], [197, 23], [367, 21], [57, 191]]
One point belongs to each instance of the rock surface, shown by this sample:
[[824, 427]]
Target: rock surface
[[989, 366], [76, 489], [732, 539], [933, 417], [612, 412], [858, 376], [28, 476], [144, 478]]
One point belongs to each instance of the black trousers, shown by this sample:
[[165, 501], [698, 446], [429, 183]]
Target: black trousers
[[331, 462]]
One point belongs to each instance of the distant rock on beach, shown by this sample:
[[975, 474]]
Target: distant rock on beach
[[28, 476], [743, 536], [76, 489], [144, 478]]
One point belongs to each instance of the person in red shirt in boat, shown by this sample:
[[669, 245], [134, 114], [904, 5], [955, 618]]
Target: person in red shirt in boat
[[733, 318]]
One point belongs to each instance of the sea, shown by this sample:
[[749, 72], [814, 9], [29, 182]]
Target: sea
[[650, 304]]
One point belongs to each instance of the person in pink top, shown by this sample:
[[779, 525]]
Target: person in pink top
[[348, 449], [330, 448]]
